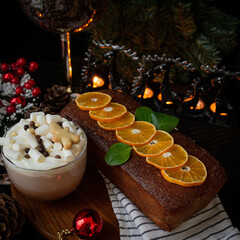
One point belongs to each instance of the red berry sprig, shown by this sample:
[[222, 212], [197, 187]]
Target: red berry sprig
[[19, 67], [14, 73]]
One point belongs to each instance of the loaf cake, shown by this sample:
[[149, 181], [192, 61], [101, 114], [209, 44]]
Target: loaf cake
[[165, 203]]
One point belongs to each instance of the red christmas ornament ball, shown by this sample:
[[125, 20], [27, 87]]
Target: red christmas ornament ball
[[15, 80], [11, 109], [18, 100], [21, 62], [18, 90], [4, 67], [33, 66], [87, 224], [20, 71], [8, 77], [36, 92], [28, 85]]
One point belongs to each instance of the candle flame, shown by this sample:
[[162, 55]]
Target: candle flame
[[148, 93], [213, 109], [39, 14], [97, 82], [200, 105], [160, 99]]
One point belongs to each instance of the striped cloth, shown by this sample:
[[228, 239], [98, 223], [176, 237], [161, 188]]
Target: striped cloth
[[210, 223]]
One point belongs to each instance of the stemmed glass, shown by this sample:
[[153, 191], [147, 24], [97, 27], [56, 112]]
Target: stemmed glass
[[64, 17]]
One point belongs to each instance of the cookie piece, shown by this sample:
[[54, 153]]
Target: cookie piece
[[63, 135]]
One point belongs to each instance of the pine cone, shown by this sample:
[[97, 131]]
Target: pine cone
[[56, 97], [12, 217], [41, 108]]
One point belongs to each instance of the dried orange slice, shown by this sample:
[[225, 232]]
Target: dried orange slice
[[161, 142], [92, 100], [110, 113], [139, 133], [175, 157], [125, 121], [193, 173]]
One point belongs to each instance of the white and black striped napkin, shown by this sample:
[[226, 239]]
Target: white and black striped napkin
[[211, 223]]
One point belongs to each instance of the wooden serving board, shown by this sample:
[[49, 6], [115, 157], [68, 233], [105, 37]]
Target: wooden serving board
[[50, 217]]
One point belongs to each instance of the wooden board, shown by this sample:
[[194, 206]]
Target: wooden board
[[50, 217]]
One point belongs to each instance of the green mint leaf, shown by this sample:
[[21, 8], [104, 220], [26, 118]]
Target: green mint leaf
[[155, 120], [166, 122], [162, 121], [143, 114], [118, 154]]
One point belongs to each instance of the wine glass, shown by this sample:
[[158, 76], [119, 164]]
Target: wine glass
[[64, 17]]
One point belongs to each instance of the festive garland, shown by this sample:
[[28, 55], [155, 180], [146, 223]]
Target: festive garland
[[18, 91]]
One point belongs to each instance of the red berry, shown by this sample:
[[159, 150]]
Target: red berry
[[8, 77], [4, 67], [36, 92], [20, 71], [28, 85], [33, 66], [11, 109], [21, 62], [13, 65], [18, 90], [15, 80], [31, 81]]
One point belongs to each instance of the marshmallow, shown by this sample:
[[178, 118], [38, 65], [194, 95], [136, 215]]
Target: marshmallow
[[68, 155], [73, 126], [34, 115], [36, 155], [42, 130], [64, 119], [22, 123], [57, 146], [67, 124], [53, 118], [41, 120], [18, 147], [20, 140], [47, 144], [49, 136], [4, 141], [12, 155], [79, 131], [54, 152], [29, 138]]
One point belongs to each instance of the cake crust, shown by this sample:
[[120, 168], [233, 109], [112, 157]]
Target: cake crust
[[165, 203]]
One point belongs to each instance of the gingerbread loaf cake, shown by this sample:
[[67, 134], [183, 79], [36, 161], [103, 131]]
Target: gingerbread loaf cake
[[165, 203]]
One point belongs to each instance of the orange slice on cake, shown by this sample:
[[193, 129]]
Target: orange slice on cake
[[125, 121], [110, 113], [175, 157], [161, 142], [139, 133], [92, 100], [193, 173]]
